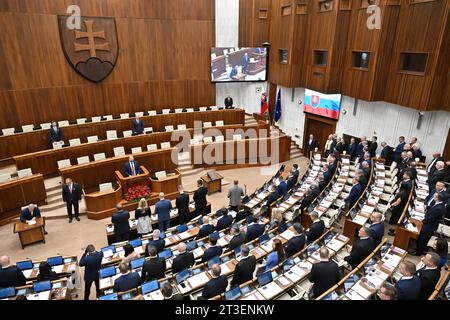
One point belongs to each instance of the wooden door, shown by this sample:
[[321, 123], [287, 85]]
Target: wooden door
[[320, 127]]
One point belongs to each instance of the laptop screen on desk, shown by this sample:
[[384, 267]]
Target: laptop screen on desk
[[25, 265], [7, 292], [112, 248], [112, 296], [107, 272], [233, 294], [55, 261], [136, 243], [165, 254], [211, 262], [42, 286], [264, 278], [182, 275], [137, 263], [148, 287]]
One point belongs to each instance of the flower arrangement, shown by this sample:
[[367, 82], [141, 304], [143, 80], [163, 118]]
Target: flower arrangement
[[137, 192]]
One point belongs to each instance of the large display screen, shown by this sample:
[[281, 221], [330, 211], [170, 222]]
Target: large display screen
[[325, 105], [238, 64]]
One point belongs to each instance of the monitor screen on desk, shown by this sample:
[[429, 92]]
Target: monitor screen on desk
[[213, 261], [136, 243], [150, 286], [137, 263], [265, 278], [112, 248], [107, 272], [238, 64], [182, 275], [55, 261], [165, 254], [25, 265], [7, 292], [42, 286], [112, 296], [233, 294]]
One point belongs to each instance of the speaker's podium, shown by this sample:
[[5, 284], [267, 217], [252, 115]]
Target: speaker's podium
[[213, 181], [31, 232], [128, 182], [166, 182]]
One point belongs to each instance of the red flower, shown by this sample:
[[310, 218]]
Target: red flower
[[137, 192]]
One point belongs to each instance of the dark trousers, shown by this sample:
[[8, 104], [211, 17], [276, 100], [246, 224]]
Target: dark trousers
[[234, 208], [163, 225], [75, 208], [422, 241], [200, 209], [122, 236], [183, 218], [87, 288]]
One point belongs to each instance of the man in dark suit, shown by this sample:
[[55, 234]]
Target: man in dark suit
[[228, 102], [31, 212], [182, 204], [245, 268], [360, 146], [312, 143], [217, 285], [282, 187], [132, 168], [55, 133], [255, 229], [200, 199], [376, 228], [437, 175], [206, 228], [417, 153], [121, 224], [183, 260], [238, 239], [272, 197], [225, 221], [316, 228], [326, 174], [293, 177], [324, 274], [332, 166], [439, 188], [386, 153], [354, 194], [155, 267], [361, 248], [92, 263], [351, 149], [214, 250], [72, 196], [310, 195], [128, 280], [167, 292], [138, 126], [408, 287], [156, 241], [399, 149], [432, 165], [296, 243], [10, 276], [429, 275], [431, 222], [162, 210], [245, 61], [366, 170], [373, 147]]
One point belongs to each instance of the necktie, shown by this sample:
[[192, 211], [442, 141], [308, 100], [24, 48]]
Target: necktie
[[70, 188], [132, 169]]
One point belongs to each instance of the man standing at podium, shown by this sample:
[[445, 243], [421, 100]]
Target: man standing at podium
[[132, 168], [31, 213], [162, 209], [71, 196], [235, 195], [200, 199], [138, 126]]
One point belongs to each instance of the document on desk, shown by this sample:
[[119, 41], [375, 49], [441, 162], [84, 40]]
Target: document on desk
[[31, 222], [299, 194], [292, 200], [222, 241], [287, 234], [225, 268], [367, 209], [335, 244], [267, 247], [198, 252], [58, 269], [284, 281], [261, 195], [270, 290], [359, 219], [285, 205], [380, 274], [353, 295], [27, 273], [377, 282], [359, 289], [392, 260], [156, 295], [198, 280], [184, 235], [291, 275], [255, 295]]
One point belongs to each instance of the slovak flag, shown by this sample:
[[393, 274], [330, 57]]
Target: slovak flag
[[264, 106]]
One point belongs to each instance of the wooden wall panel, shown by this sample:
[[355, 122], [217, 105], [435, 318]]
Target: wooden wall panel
[[163, 61], [254, 22]]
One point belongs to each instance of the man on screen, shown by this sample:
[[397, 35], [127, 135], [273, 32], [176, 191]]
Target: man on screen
[[132, 168], [245, 61]]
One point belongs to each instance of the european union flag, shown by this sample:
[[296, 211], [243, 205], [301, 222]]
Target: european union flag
[[277, 114]]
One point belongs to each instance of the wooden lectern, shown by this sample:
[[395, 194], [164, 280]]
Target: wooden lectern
[[30, 234], [127, 182], [213, 185], [168, 185], [102, 204], [403, 235]]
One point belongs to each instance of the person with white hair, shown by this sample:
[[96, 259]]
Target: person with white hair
[[31, 213], [10, 276], [183, 260], [162, 210], [437, 175]]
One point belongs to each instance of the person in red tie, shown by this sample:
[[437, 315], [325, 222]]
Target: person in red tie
[[132, 168], [72, 196]]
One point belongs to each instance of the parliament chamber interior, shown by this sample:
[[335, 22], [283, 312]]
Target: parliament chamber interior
[[224, 150]]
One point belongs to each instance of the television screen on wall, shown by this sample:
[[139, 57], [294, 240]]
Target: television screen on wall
[[238, 64], [325, 105]]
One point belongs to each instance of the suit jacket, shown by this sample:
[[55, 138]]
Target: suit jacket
[[182, 204], [254, 231], [324, 275], [56, 136], [432, 218], [355, 192], [408, 289], [212, 252], [162, 209], [224, 222], [431, 196], [215, 287], [312, 145], [432, 165], [282, 189], [272, 198], [332, 168], [315, 231], [138, 126], [373, 149], [127, 282], [200, 199], [237, 241], [11, 277], [234, 194], [309, 198], [120, 220], [73, 197], [417, 153], [26, 215], [244, 270], [437, 175], [360, 250], [292, 180], [153, 268], [182, 261], [327, 176], [92, 263], [205, 230], [295, 244], [386, 152], [351, 150], [159, 244], [399, 148], [428, 279], [228, 102], [377, 232], [127, 168]]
